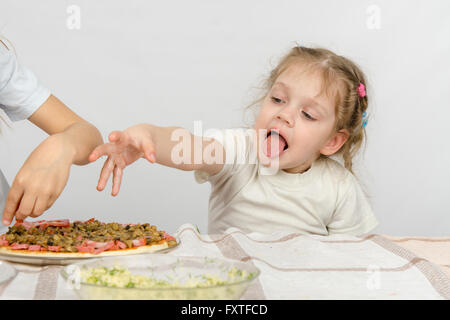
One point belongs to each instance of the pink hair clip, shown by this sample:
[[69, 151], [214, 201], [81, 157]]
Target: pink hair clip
[[361, 90]]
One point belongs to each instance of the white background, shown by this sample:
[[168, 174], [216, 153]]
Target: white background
[[171, 63]]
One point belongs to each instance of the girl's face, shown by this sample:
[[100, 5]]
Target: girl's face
[[303, 118]]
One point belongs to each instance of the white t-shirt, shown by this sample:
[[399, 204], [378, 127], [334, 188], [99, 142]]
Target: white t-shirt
[[326, 199], [20, 96]]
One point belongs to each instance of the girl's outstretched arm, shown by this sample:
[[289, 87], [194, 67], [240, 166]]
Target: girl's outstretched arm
[[157, 145]]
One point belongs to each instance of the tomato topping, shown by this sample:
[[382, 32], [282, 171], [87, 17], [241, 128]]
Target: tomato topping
[[27, 225], [85, 249], [121, 245], [59, 223], [34, 247], [138, 242], [108, 245], [89, 243], [18, 246]]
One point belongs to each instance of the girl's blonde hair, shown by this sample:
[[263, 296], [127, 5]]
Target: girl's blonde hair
[[340, 79]]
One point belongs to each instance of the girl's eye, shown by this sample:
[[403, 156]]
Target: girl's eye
[[308, 116], [276, 100]]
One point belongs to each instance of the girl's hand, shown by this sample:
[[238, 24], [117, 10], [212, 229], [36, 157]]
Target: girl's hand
[[125, 147], [40, 181]]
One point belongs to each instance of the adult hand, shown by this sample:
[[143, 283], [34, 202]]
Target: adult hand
[[40, 181]]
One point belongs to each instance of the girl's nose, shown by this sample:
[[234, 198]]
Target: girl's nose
[[286, 115]]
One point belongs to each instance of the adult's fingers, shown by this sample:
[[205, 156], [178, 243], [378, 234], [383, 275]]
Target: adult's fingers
[[42, 203], [108, 167], [26, 206], [117, 180], [12, 203]]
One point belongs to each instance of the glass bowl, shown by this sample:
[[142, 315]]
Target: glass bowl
[[160, 276]]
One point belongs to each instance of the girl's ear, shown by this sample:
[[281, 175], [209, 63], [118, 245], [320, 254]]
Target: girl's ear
[[335, 142]]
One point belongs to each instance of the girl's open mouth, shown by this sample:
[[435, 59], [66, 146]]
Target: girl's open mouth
[[274, 144]]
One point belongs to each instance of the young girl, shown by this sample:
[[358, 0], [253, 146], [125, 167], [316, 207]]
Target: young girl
[[44, 174], [313, 108]]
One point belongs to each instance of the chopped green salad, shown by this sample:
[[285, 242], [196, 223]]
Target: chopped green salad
[[122, 278]]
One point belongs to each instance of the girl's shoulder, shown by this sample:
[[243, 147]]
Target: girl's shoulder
[[332, 170], [342, 179], [332, 167]]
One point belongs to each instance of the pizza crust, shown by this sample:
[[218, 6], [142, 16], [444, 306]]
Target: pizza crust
[[49, 254]]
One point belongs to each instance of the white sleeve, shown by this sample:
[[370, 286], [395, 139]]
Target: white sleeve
[[353, 214], [236, 145], [20, 92]]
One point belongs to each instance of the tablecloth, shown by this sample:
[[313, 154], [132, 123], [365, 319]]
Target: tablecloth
[[295, 266]]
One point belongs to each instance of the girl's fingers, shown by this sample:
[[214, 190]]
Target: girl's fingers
[[104, 150], [107, 149], [97, 153], [117, 180], [93, 156], [149, 150], [120, 162], [115, 136], [26, 206], [108, 167]]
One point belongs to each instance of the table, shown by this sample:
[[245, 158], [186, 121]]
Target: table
[[296, 266], [434, 249]]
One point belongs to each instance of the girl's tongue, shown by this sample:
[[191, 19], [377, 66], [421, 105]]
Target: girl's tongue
[[274, 145]]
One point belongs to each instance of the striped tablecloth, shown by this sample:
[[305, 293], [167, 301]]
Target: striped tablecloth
[[295, 266]]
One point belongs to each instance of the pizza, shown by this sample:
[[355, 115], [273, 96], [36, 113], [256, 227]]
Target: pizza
[[91, 238]]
